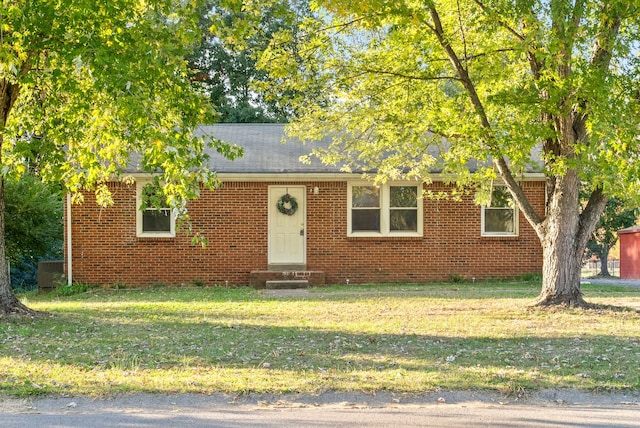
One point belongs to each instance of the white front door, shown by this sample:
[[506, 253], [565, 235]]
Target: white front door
[[287, 225]]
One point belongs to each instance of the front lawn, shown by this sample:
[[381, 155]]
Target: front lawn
[[400, 338]]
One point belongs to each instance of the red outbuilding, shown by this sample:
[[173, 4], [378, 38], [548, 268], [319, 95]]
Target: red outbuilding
[[630, 252]]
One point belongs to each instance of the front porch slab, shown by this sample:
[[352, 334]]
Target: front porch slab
[[286, 284]]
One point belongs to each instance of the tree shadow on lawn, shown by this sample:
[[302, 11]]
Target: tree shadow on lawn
[[334, 358]]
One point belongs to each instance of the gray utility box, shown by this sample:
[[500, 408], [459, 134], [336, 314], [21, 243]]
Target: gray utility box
[[48, 272]]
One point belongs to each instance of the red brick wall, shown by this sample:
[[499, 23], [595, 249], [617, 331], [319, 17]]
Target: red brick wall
[[234, 218]]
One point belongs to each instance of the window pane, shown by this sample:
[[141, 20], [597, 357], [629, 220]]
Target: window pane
[[404, 220], [501, 198], [365, 196], [362, 220], [498, 220], [403, 196], [156, 221]]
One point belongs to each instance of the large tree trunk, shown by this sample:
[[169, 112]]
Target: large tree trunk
[[561, 247], [561, 272], [564, 235]]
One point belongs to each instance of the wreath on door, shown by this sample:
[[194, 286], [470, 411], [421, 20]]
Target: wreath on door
[[287, 204]]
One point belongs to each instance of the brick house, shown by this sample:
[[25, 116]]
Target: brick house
[[343, 230]]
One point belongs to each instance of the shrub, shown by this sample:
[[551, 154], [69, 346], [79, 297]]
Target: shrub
[[71, 289], [455, 278]]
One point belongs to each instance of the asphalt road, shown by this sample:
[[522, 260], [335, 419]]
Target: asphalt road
[[547, 409]]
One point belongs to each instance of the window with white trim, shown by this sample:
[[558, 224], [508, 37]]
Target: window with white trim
[[393, 209], [500, 218], [154, 218]]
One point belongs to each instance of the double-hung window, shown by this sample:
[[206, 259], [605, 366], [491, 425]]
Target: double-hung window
[[500, 218], [385, 210], [154, 218]]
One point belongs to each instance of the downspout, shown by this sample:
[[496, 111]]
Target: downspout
[[69, 243]]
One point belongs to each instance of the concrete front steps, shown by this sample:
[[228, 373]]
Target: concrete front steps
[[286, 284], [285, 279]]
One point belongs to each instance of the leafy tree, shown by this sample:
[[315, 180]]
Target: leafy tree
[[33, 225], [33, 228], [616, 216], [502, 84], [84, 84], [227, 66]]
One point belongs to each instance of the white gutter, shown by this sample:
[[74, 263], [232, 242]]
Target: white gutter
[[326, 176], [340, 176], [69, 243]]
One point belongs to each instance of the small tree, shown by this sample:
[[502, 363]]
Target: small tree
[[33, 226], [616, 216], [90, 88]]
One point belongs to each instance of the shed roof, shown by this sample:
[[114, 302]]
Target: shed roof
[[632, 229]]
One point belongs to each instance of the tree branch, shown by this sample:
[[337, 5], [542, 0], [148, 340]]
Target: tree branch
[[364, 71], [521, 199], [600, 61], [503, 24], [590, 216], [607, 33], [499, 161], [460, 70], [535, 66], [464, 39]]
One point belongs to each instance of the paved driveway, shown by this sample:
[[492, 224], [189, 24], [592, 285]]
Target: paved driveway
[[612, 281]]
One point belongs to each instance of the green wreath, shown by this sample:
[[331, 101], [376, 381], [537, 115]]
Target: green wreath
[[291, 201]]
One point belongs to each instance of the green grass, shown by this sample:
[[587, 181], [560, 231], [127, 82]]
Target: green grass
[[402, 338]]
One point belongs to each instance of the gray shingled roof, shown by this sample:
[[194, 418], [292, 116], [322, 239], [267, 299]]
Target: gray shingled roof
[[265, 150], [268, 151]]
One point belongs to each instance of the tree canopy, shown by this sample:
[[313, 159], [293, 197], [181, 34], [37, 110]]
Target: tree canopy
[[226, 65], [88, 88], [98, 82], [505, 85]]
